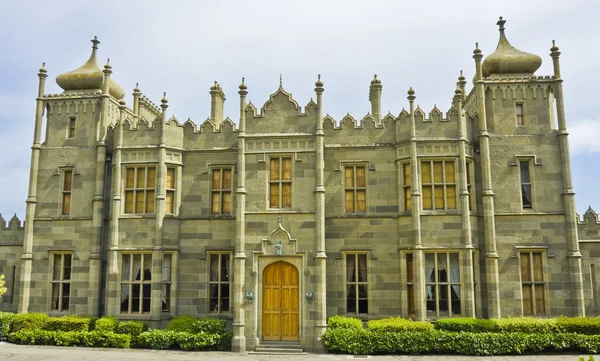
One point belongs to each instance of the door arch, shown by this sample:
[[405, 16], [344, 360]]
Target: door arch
[[280, 302]]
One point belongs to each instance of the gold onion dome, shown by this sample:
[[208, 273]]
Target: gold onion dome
[[506, 59], [89, 76]]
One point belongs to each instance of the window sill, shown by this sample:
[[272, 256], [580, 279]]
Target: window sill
[[356, 215], [137, 216], [436, 212]]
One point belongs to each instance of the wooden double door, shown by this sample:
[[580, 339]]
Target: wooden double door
[[280, 302]]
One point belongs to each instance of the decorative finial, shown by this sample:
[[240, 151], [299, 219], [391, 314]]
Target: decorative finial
[[411, 94], [107, 66], [554, 48], [319, 83], [43, 68], [280, 80], [501, 23], [375, 81], [477, 51], [95, 42], [243, 86], [164, 98]]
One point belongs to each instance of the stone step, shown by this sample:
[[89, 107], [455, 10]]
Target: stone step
[[286, 350], [276, 353]]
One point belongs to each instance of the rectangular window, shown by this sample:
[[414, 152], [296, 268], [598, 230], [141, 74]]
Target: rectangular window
[[469, 185], [167, 281], [524, 168], [140, 188], [519, 114], [66, 192], [71, 130], [357, 287], [410, 284], [220, 282], [442, 284], [280, 182], [136, 282], [221, 191], [406, 187], [61, 281], [170, 191], [438, 182], [355, 189], [533, 284]]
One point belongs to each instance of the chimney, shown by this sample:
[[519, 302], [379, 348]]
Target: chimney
[[217, 100]]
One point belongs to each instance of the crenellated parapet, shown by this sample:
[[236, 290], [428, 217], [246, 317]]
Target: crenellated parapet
[[11, 232], [349, 131], [434, 125], [588, 225]]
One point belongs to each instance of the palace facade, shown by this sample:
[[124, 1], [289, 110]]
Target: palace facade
[[287, 217]]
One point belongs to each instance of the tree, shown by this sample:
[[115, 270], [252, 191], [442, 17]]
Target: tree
[[2, 288]]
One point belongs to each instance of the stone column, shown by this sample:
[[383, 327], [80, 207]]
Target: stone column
[[239, 258], [489, 223], [574, 255], [468, 301], [320, 303], [418, 254], [112, 280], [95, 258], [160, 208], [27, 256], [375, 98]]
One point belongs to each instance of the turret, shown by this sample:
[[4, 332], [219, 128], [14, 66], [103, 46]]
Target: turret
[[375, 98], [217, 100]]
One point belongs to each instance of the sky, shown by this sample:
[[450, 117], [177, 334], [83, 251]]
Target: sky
[[181, 47]]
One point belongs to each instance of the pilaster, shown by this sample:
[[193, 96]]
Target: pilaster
[[238, 343]]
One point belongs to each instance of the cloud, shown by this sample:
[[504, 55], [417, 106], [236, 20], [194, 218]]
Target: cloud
[[584, 137]]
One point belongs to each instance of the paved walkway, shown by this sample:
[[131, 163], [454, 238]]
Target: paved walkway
[[10, 352]]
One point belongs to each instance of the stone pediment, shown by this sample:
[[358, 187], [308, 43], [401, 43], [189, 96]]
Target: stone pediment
[[281, 100]]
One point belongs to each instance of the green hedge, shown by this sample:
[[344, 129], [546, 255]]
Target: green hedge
[[167, 339], [29, 321], [209, 325], [364, 341], [6, 319], [183, 323], [67, 323], [580, 325], [344, 322], [70, 338], [106, 324], [133, 328], [398, 324]]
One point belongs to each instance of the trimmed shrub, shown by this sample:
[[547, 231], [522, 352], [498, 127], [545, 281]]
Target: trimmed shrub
[[525, 324], [582, 325], [344, 322], [465, 325], [29, 321], [133, 328], [67, 323], [398, 324], [156, 339], [183, 323], [70, 338], [106, 324], [209, 325], [196, 341], [6, 319]]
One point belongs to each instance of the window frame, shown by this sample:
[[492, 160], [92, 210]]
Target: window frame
[[529, 184], [407, 186], [447, 284], [131, 282], [71, 127], [221, 190], [66, 193], [355, 189], [168, 285], [409, 280], [60, 282], [136, 190], [171, 191], [433, 185], [280, 182], [533, 283], [219, 282], [356, 283], [520, 118]]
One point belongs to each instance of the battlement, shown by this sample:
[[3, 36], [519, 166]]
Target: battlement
[[12, 232], [588, 225]]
